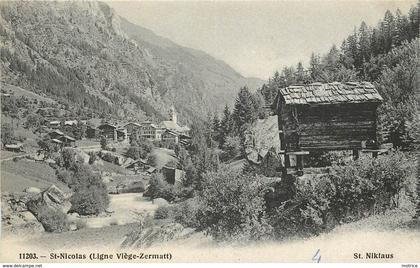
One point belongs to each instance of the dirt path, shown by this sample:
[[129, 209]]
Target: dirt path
[[12, 157]]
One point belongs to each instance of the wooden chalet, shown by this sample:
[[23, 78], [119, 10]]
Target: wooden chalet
[[108, 131], [67, 141], [170, 136], [139, 165], [56, 134], [112, 132], [92, 132], [133, 127], [323, 117]]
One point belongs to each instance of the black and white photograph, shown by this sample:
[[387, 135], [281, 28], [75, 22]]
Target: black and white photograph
[[168, 132]]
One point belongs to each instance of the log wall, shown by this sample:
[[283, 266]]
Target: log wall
[[327, 126]]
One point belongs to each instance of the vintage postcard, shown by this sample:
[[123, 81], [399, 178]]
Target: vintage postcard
[[210, 132]]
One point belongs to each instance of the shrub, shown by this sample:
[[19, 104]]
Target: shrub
[[322, 159], [159, 188], [185, 212], [65, 176], [348, 193], [232, 147], [231, 206], [68, 158], [53, 220], [107, 157], [90, 200], [386, 176], [90, 192], [162, 212]]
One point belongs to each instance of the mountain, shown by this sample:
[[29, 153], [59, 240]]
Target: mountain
[[86, 56]]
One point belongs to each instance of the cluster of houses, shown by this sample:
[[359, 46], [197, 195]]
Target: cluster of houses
[[172, 175], [59, 138], [166, 131]]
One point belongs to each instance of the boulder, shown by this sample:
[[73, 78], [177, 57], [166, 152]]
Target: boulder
[[261, 137], [155, 235], [52, 197], [33, 190], [160, 202], [16, 218], [28, 216]]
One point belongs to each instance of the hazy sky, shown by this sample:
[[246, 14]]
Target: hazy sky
[[257, 37]]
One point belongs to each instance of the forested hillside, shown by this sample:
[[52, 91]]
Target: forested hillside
[[388, 55], [85, 56]]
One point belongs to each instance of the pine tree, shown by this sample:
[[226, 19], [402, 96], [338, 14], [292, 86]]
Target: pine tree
[[364, 43], [315, 67], [351, 50], [244, 111], [300, 73], [216, 129], [226, 125], [388, 30]]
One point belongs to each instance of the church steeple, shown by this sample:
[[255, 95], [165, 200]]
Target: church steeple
[[173, 115]]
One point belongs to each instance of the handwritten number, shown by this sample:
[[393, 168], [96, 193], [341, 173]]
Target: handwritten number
[[317, 256]]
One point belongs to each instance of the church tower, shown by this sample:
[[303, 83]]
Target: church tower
[[173, 115]]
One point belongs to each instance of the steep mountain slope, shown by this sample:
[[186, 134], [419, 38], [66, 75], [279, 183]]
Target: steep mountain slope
[[85, 55]]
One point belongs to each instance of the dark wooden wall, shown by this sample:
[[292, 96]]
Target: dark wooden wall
[[327, 126]]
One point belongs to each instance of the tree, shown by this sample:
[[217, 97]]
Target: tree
[[244, 112], [191, 173], [232, 147], [364, 44], [160, 188], [315, 67], [33, 121], [104, 143], [182, 155], [226, 125], [216, 129], [47, 147], [90, 192], [301, 77], [7, 133], [259, 104], [139, 148], [68, 159], [388, 31]]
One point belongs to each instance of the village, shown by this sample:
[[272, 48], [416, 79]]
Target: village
[[56, 135]]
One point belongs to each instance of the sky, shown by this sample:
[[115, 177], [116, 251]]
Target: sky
[[257, 38]]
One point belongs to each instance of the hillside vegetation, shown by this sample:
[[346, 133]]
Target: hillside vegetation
[[387, 55], [86, 56]]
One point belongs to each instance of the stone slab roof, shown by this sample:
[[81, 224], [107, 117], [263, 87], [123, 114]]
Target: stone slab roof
[[331, 93]]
